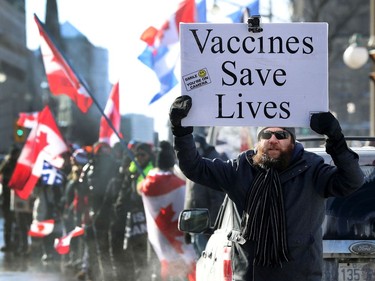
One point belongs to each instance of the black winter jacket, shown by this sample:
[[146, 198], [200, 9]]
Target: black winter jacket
[[305, 184]]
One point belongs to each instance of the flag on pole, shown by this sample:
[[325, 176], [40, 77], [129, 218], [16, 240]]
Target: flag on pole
[[41, 228], [28, 120], [61, 77], [112, 111], [162, 51], [163, 195], [62, 245], [44, 142]]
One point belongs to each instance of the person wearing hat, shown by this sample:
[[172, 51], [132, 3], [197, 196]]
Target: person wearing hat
[[279, 190]]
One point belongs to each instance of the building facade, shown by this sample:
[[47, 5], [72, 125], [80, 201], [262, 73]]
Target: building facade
[[138, 127], [14, 67]]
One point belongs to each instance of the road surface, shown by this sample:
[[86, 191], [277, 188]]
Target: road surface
[[30, 268]]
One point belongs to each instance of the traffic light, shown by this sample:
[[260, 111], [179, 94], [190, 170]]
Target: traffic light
[[19, 134]]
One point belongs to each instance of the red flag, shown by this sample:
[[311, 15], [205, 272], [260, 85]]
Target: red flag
[[168, 34], [112, 111], [41, 228], [149, 35], [163, 195], [28, 120], [61, 77], [62, 245], [44, 142]]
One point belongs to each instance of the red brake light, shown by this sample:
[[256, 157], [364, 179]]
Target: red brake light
[[227, 264]]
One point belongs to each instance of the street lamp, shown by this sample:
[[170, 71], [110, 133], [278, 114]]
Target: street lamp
[[355, 56]]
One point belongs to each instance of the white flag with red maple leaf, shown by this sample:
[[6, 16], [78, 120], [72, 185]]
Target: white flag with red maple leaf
[[41, 228], [163, 195], [44, 142], [62, 245]]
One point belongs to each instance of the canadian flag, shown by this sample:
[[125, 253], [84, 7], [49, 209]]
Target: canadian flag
[[62, 245], [28, 120], [62, 79], [112, 111], [44, 142], [163, 195], [41, 228]]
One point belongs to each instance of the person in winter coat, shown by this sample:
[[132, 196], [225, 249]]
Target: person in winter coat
[[93, 181], [134, 256], [279, 189], [72, 201], [199, 196]]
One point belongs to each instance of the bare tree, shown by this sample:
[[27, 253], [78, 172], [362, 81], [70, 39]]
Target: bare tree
[[345, 17]]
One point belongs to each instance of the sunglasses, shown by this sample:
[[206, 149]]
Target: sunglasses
[[280, 135]]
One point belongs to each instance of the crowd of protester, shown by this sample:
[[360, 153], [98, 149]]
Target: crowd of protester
[[103, 191]]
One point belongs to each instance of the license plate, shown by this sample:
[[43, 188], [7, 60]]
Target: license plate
[[356, 272]]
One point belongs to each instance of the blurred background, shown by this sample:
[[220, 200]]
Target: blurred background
[[24, 88]]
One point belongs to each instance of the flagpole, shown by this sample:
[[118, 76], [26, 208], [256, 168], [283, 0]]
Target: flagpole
[[83, 82], [122, 141]]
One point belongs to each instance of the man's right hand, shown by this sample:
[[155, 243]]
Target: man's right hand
[[179, 110]]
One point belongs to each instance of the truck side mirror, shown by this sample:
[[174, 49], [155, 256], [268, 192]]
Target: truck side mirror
[[194, 220]]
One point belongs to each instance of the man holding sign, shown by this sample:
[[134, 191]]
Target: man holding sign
[[279, 189], [239, 78]]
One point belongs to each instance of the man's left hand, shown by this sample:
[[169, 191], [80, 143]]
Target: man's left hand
[[325, 123]]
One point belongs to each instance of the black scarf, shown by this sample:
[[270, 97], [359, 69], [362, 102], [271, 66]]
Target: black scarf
[[263, 219]]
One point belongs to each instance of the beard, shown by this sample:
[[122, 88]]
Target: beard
[[265, 161]]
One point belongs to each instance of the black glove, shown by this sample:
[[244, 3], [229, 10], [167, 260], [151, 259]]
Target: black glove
[[325, 123], [179, 110]]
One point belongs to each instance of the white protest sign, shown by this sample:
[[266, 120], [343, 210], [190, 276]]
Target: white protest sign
[[276, 77]]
